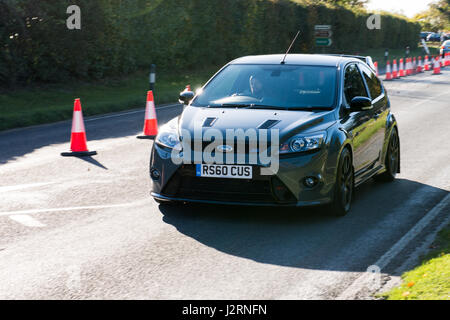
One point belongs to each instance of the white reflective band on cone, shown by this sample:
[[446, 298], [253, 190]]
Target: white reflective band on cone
[[150, 112], [78, 125]]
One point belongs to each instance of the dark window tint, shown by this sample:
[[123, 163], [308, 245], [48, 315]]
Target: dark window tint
[[286, 86], [353, 83], [372, 82]]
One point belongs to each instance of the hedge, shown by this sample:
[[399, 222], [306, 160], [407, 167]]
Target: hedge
[[118, 37]]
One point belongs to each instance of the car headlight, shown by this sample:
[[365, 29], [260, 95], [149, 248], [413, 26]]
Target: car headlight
[[168, 136], [302, 143]]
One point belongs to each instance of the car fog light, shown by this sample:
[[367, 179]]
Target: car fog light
[[310, 181], [154, 173]]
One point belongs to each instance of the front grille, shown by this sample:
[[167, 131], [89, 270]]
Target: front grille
[[185, 184]]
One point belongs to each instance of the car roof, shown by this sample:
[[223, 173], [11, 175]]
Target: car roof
[[296, 59]]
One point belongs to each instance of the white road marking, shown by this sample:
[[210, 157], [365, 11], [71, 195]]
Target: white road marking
[[23, 186], [423, 249], [130, 112], [168, 106], [382, 262], [34, 211], [27, 221]]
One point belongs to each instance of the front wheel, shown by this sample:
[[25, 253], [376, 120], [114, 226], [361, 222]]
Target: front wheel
[[343, 189]]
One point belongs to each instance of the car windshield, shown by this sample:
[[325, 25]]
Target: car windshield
[[270, 86]]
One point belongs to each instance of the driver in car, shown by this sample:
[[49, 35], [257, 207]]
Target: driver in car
[[256, 87]]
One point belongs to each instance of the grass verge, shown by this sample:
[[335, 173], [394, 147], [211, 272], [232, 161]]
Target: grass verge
[[50, 103], [431, 279]]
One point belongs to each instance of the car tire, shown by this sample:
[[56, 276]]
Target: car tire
[[344, 186], [392, 161]]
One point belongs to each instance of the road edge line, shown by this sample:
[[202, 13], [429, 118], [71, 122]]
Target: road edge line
[[88, 118], [360, 282]]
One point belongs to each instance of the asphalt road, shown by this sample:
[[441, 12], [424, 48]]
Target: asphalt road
[[76, 228]]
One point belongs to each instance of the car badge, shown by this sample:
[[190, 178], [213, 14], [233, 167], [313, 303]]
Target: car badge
[[224, 148]]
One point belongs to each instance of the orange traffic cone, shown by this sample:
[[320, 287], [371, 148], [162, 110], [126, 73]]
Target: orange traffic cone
[[402, 68], [419, 65], [78, 144], [376, 68], [394, 69], [188, 87], [437, 66], [388, 75], [414, 66], [426, 64], [150, 122], [447, 59]]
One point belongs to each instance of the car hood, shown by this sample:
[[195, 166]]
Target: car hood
[[288, 122]]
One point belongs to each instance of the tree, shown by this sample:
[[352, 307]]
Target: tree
[[348, 3], [436, 17]]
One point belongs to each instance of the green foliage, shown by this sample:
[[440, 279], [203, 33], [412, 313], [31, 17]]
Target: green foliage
[[436, 18], [430, 279], [347, 3], [118, 37], [54, 102]]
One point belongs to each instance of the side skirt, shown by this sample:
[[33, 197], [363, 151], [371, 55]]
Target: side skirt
[[368, 174]]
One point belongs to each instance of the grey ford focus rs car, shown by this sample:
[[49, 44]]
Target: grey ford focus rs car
[[300, 130]]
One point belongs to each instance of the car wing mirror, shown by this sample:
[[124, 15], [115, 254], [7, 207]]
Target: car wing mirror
[[361, 103], [186, 97]]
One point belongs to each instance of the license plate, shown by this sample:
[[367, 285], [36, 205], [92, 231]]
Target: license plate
[[223, 171]]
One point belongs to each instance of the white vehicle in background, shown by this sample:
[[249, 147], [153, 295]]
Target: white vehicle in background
[[445, 47]]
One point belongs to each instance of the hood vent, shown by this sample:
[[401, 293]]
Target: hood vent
[[268, 124], [209, 122]]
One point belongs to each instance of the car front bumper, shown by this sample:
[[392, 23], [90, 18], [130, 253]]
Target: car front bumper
[[285, 188], [239, 203]]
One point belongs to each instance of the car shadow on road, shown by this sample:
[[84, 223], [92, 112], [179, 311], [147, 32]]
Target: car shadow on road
[[311, 237]]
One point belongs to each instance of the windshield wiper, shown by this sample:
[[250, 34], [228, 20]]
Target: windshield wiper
[[229, 105], [246, 106], [236, 105], [265, 106], [309, 108]]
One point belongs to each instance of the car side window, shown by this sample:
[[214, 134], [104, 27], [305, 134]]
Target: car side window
[[373, 83], [353, 83]]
